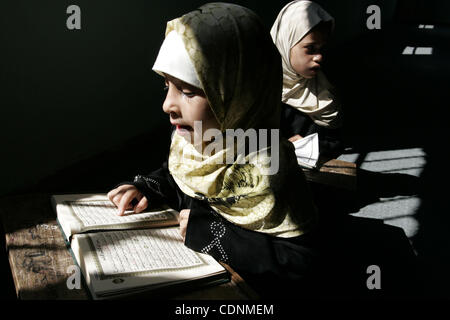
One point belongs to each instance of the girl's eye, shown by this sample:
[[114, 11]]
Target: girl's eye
[[188, 94]]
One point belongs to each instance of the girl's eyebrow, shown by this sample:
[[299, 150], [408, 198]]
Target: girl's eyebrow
[[319, 44]]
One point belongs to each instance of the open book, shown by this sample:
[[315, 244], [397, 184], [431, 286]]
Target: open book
[[131, 254]]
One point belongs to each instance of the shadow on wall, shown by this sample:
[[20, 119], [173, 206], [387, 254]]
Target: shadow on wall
[[432, 242], [69, 95], [371, 186], [421, 11], [100, 173]]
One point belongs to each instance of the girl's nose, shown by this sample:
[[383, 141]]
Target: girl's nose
[[318, 58], [170, 104]]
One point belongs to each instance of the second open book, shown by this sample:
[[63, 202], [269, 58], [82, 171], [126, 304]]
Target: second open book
[[130, 254]]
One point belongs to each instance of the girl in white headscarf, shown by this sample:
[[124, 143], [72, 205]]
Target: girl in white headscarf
[[300, 31]]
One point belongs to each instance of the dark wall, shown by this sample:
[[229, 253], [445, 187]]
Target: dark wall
[[424, 11], [68, 96]]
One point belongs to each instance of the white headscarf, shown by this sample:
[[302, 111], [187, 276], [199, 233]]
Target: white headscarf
[[174, 60], [311, 96]]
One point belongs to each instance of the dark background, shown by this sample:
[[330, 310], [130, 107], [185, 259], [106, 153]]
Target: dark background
[[81, 109]]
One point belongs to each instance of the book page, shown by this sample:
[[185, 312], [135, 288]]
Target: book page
[[137, 252], [307, 150], [103, 212], [120, 262], [78, 213]]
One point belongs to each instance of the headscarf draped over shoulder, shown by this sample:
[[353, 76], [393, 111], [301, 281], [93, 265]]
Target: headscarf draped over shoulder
[[239, 69], [311, 96]]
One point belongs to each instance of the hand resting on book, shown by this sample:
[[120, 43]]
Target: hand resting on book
[[123, 196]]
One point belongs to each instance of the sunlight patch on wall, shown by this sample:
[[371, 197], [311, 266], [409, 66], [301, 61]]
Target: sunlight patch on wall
[[426, 26], [417, 51]]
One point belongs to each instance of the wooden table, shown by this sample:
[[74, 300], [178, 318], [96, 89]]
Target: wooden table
[[335, 173], [39, 258]]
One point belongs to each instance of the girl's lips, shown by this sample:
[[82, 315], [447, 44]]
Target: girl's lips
[[183, 129], [179, 126]]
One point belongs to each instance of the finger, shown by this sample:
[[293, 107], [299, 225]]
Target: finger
[[294, 138], [185, 212], [125, 201], [116, 199], [183, 227], [119, 189], [183, 223], [142, 204], [182, 214], [116, 194], [112, 194]]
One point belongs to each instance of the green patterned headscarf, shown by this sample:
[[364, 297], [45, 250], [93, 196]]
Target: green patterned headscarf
[[240, 71]]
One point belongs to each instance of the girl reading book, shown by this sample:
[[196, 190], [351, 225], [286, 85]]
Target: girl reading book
[[300, 32], [222, 72]]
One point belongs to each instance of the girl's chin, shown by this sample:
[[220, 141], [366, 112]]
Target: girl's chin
[[310, 74], [313, 72]]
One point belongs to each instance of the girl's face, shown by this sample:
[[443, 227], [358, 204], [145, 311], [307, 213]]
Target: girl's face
[[185, 104], [306, 55]]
